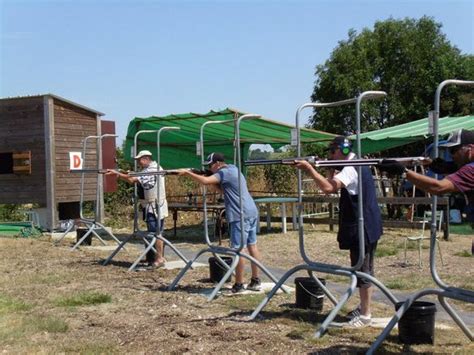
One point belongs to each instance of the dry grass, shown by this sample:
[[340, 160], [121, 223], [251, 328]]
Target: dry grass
[[134, 313]]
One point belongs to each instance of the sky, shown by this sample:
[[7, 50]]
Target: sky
[[141, 58]]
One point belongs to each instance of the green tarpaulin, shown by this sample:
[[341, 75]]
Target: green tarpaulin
[[410, 132], [178, 148]]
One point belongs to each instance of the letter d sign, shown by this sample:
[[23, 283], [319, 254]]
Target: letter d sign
[[75, 160]]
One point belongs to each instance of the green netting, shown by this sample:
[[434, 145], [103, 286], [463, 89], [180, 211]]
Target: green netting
[[18, 229], [410, 132], [178, 148]]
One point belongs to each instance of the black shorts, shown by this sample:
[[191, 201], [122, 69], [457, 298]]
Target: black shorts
[[367, 266]]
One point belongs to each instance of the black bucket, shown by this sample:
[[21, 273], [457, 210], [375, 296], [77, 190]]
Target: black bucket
[[308, 293], [417, 324], [216, 270], [80, 232]]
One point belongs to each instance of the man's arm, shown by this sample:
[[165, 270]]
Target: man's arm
[[126, 177], [202, 179], [433, 186], [425, 183], [328, 186]]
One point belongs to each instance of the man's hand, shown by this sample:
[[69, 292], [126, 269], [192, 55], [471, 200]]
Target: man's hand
[[111, 172], [441, 166], [303, 164], [204, 172], [392, 167], [182, 172]]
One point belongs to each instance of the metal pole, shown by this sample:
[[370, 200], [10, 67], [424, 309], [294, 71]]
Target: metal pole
[[434, 198]]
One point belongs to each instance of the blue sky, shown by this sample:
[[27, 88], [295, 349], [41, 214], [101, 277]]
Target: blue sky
[[143, 58]]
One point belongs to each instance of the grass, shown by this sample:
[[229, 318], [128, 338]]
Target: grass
[[301, 330], [46, 324], [464, 254], [386, 250], [11, 305], [403, 283], [15, 327], [464, 228], [249, 302], [89, 348], [83, 299]]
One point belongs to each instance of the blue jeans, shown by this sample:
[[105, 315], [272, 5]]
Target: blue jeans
[[250, 232], [152, 223], [152, 226]]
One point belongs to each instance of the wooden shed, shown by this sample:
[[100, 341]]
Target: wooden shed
[[37, 133]]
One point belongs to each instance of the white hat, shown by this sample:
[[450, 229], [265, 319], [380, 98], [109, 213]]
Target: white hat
[[143, 153]]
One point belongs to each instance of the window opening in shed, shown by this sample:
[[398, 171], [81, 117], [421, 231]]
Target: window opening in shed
[[6, 163], [68, 210]]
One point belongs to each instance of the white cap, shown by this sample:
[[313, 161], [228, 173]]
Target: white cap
[[143, 153]]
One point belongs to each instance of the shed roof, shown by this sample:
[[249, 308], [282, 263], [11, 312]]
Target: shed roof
[[56, 97]]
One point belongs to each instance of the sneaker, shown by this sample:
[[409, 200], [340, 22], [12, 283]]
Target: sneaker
[[358, 322], [238, 288], [255, 284], [354, 313]]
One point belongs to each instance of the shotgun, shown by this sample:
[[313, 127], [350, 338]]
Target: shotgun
[[317, 162]]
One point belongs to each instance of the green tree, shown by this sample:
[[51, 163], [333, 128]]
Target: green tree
[[407, 59], [258, 154]]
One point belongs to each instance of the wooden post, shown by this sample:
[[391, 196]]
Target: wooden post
[[48, 112]]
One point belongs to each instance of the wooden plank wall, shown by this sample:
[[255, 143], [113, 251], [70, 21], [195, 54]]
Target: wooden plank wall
[[22, 129], [109, 160], [71, 125]]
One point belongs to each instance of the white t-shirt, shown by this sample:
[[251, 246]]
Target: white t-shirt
[[348, 177]]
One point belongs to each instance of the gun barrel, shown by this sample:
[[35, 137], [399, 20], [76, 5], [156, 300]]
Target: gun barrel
[[329, 163], [286, 161], [88, 171], [152, 173], [139, 173]]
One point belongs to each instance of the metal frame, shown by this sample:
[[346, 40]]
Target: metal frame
[[310, 265], [93, 226], [149, 238], [217, 250], [444, 291]]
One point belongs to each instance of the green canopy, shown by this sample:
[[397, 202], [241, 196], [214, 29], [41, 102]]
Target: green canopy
[[410, 132], [178, 147]]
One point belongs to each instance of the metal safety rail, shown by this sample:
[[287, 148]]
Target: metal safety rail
[[149, 238], [93, 226], [310, 265], [217, 250], [445, 291]]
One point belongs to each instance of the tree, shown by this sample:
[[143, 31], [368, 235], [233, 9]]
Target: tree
[[405, 58]]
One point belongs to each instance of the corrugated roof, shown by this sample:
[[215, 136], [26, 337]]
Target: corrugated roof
[[410, 132], [178, 148]]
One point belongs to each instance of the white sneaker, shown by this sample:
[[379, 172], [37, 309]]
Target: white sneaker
[[354, 313], [358, 322]]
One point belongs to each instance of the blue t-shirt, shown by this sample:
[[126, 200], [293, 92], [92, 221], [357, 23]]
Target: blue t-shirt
[[229, 181]]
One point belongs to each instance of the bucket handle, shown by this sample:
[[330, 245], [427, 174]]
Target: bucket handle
[[220, 265], [309, 292]]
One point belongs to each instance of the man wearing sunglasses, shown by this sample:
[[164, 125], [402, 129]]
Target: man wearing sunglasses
[[346, 181], [460, 176]]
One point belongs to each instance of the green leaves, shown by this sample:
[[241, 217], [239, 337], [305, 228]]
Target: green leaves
[[406, 58]]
